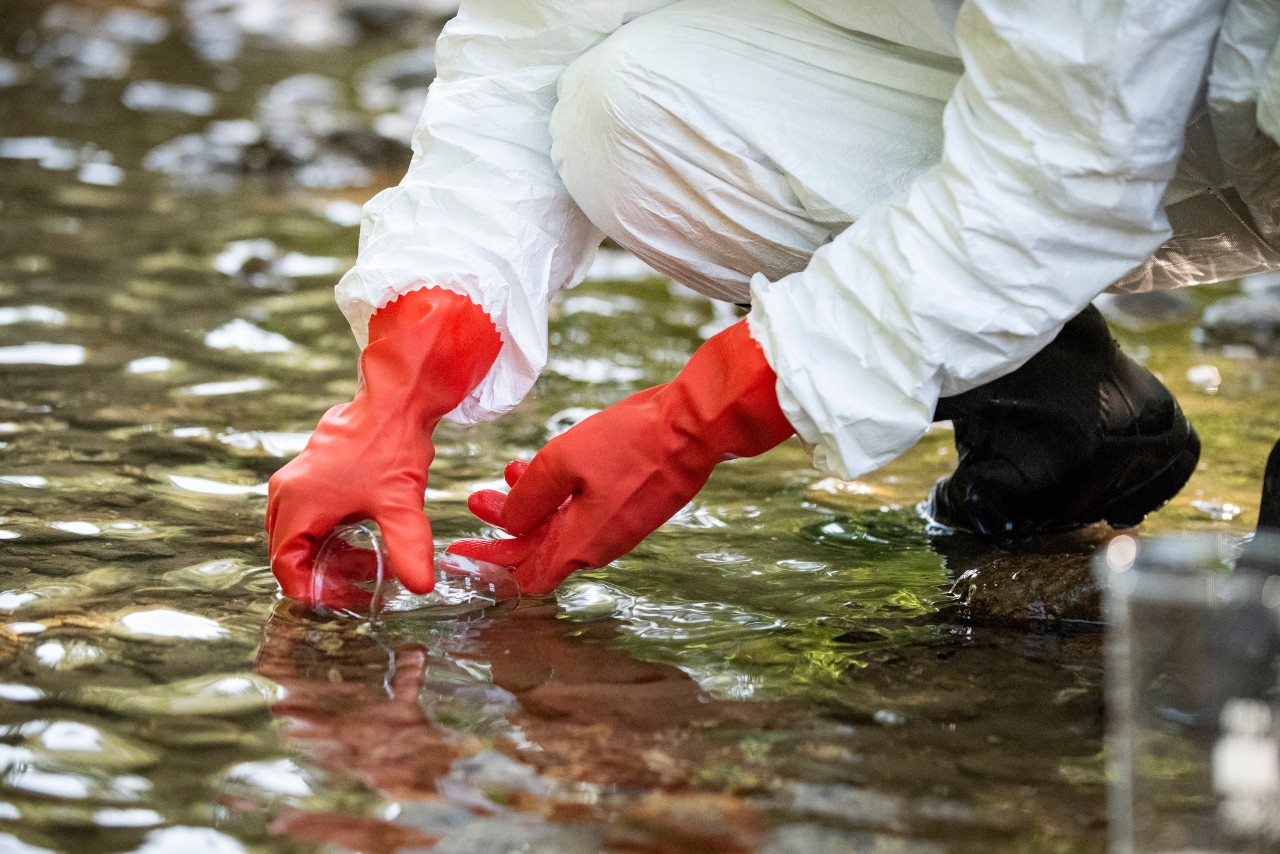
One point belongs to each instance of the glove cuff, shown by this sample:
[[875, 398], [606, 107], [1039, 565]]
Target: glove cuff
[[728, 397], [428, 349]]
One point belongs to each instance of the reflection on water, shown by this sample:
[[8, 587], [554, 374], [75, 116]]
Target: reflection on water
[[784, 667]]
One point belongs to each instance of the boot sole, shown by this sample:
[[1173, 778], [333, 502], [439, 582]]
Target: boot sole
[[1133, 505]]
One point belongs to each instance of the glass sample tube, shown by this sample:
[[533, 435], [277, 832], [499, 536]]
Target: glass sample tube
[[1193, 735], [352, 576]]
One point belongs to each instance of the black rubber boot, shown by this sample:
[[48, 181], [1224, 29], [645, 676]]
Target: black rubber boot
[[1079, 434], [1269, 506]]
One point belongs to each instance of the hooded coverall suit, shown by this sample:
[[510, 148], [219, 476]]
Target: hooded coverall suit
[[914, 196]]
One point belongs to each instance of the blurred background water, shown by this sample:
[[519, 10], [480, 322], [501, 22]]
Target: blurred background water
[[791, 664]]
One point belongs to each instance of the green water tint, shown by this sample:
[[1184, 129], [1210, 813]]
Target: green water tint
[[781, 668]]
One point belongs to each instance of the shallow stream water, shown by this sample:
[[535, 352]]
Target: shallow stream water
[[784, 667]]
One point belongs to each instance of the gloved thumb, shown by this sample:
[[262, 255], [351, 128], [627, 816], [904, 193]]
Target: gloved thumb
[[410, 549], [539, 490]]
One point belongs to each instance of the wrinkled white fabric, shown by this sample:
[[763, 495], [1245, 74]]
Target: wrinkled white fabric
[[1250, 158], [658, 136], [1060, 140], [962, 259], [481, 209]]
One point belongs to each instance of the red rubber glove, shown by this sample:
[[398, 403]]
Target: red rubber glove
[[600, 488], [368, 459]]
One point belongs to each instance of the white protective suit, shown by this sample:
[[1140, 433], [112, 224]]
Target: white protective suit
[[914, 194]]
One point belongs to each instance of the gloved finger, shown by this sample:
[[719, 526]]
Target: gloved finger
[[487, 506], [537, 493], [545, 568], [587, 533], [509, 553], [410, 550], [293, 541], [514, 470], [291, 561]]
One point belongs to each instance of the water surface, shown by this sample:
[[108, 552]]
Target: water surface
[[784, 667]]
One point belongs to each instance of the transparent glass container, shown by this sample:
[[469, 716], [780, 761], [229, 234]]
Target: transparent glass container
[[353, 577], [1193, 734]]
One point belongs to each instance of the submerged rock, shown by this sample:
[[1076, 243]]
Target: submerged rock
[[302, 130], [395, 88], [221, 29], [1252, 319], [1148, 310], [73, 44], [1046, 580]]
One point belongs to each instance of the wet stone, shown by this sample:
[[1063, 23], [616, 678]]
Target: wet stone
[[302, 129], [817, 839], [1251, 319], [1137, 312], [77, 745], [181, 732], [221, 696], [1053, 585], [394, 89]]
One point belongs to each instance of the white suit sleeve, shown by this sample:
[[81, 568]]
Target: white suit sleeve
[[481, 210], [1058, 142]]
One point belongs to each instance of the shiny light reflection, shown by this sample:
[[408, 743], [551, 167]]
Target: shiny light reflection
[[244, 336], [20, 693], [205, 840], [282, 777], [84, 529], [214, 487], [32, 314], [272, 444], [1121, 553], [1207, 378], [150, 365], [43, 353], [164, 623], [243, 386], [121, 817], [30, 481]]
